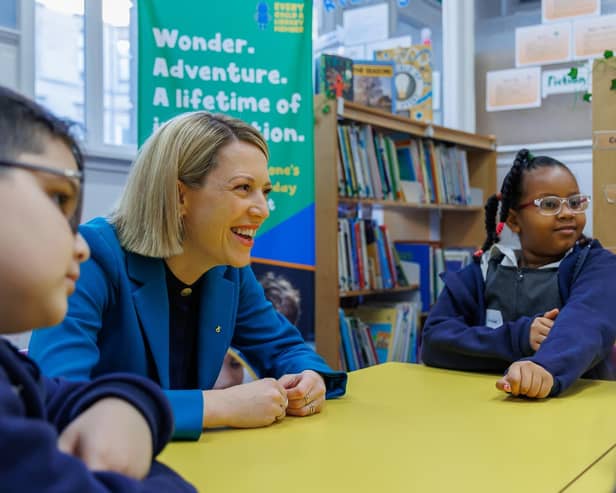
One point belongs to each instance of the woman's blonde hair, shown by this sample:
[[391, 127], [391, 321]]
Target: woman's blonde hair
[[185, 148]]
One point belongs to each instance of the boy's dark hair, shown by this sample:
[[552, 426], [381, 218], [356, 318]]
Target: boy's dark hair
[[511, 192], [280, 292], [24, 125]]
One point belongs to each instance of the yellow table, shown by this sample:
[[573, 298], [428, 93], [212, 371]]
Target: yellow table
[[408, 428], [600, 478]]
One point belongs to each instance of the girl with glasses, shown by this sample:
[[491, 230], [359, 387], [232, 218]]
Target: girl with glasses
[[539, 313]]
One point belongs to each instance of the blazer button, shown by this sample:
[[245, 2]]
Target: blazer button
[[218, 329]]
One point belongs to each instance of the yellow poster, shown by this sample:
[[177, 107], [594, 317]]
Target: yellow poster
[[513, 89], [542, 44]]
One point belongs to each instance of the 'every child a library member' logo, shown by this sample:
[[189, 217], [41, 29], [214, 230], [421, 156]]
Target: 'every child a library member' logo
[[288, 17]]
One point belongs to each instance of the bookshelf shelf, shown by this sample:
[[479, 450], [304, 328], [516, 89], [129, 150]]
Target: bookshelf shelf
[[373, 292], [409, 205], [451, 225], [379, 118]]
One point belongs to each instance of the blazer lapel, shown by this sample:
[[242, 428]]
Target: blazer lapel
[[152, 306], [216, 324]]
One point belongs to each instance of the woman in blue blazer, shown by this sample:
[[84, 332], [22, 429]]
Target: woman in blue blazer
[[168, 287]]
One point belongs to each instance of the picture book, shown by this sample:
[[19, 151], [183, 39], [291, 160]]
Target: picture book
[[382, 323], [336, 76], [373, 83], [412, 80]]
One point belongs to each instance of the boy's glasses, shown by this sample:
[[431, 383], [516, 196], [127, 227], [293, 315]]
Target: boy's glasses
[[552, 205], [74, 177]]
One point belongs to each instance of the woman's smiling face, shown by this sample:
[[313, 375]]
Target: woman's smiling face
[[222, 216]]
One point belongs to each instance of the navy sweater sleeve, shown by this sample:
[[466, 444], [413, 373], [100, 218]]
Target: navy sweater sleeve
[[66, 400], [455, 335], [31, 461], [585, 330]]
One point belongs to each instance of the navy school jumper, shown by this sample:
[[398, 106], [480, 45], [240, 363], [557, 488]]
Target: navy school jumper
[[33, 412]]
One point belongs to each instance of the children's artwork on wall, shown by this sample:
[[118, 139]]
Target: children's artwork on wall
[[592, 36], [513, 89], [560, 10], [542, 44]]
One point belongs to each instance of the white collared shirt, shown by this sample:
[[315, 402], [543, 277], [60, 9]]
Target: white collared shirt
[[510, 258]]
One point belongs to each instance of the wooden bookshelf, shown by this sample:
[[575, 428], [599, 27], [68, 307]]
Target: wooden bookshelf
[[457, 225], [408, 205], [376, 292], [604, 151]]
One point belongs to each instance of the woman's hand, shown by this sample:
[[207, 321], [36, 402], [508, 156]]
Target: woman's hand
[[526, 378], [306, 392], [540, 328], [250, 405], [111, 435]]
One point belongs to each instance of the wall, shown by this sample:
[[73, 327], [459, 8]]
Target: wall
[[105, 180], [561, 117], [561, 127]]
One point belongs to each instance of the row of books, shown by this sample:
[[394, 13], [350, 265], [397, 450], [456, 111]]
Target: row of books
[[423, 263], [373, 334], [399, 80], [366, 258], [374, 165]]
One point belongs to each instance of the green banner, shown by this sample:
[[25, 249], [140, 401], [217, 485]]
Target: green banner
[[252, 60]]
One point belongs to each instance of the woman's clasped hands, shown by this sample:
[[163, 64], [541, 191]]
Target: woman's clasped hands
[[265, 401]]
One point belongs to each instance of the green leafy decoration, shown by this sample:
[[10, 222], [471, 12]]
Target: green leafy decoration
[[573, 73]]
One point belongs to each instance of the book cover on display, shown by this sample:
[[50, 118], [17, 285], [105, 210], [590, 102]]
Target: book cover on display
[[373, 83], [412, 80]]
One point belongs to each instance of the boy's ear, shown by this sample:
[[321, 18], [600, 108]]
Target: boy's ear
[[512, 221]]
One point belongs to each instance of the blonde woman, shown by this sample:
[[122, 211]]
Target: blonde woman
[[168, 287]]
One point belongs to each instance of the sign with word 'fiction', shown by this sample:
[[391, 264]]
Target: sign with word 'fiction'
[[560, 81]]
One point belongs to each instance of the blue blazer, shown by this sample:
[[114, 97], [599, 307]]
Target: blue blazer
[[118, 320]]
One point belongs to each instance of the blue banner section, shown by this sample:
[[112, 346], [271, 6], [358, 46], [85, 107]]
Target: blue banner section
[[296, 234]]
